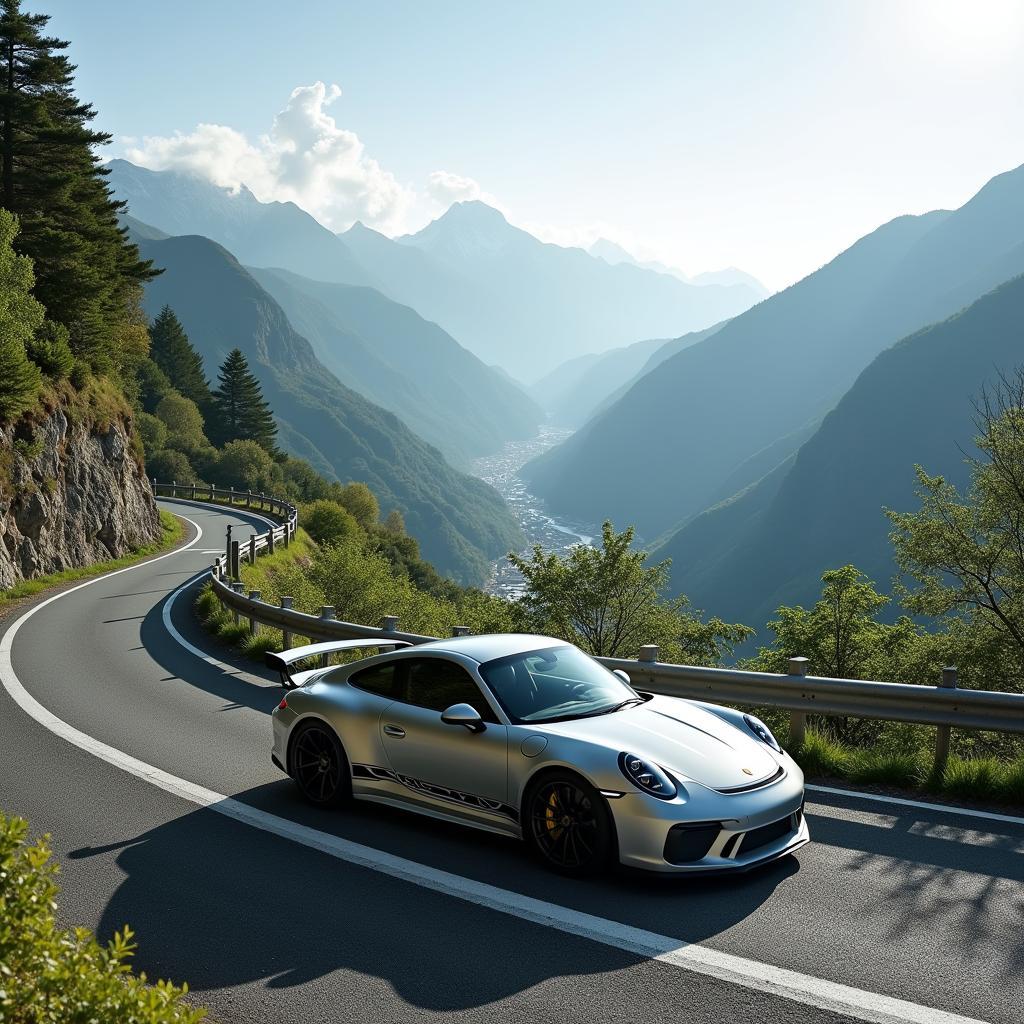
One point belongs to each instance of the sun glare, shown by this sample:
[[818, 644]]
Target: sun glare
[[968, 30]]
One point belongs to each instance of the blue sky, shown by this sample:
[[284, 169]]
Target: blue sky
[[767, 136]]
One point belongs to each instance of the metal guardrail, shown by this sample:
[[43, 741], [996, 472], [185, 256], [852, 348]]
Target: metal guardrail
[[945, 706]]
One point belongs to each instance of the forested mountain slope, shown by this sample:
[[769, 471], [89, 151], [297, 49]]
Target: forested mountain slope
[[912, 405], [769, 372], [459, 521], [391, 355]]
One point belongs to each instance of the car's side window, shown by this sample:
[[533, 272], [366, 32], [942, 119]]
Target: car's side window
[[379, 679], [437, 683]]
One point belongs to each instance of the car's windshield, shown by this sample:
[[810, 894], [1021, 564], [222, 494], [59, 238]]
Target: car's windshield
[[554, 684]]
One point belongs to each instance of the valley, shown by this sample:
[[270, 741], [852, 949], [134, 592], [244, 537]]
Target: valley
[[553, 533]]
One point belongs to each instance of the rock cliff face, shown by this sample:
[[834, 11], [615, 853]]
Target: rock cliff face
[[70, 494]]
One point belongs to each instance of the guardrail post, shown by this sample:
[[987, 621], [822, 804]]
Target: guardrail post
[[326, 612], [254, 595], [797, 719], [648, 653], [231, 496], [287, 532], [286, 634], [460, 630], [227, 547], [390, 624], [238, 589], [949, 682], [252, 549], [153, 483], [270, 540], [193, 490], [233, 563], [248, 499]]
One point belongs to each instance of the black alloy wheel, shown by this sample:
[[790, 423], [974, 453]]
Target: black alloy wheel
[[319, 766], [568, 825]]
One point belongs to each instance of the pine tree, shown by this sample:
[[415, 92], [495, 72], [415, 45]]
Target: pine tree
[[21, 317], [172, 351], [87, 272], [240, 412]]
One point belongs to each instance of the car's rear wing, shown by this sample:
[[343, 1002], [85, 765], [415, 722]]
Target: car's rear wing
[[283, 661]]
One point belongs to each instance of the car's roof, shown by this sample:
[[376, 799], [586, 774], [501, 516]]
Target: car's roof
[[489, 646]]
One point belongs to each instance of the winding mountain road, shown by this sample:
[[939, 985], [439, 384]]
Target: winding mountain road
[[144, 751]]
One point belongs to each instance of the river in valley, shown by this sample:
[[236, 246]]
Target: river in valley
[[501, 471]]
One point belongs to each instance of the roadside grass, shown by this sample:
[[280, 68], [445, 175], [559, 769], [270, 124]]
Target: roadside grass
[[980, 779], [172, 531]]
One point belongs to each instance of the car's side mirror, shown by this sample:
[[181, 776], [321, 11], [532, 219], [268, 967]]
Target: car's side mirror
[[624, 676], [463, 714]]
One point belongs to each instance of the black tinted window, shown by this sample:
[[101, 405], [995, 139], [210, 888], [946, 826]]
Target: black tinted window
[[438, 684], [378, 679]]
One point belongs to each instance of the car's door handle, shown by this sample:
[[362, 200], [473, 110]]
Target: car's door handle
[[394, 730]]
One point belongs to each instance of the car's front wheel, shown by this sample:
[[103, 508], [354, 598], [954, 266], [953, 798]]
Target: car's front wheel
[[319, 765], [567, 824]]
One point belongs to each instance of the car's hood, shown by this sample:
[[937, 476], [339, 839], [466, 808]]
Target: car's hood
[[686, 739]]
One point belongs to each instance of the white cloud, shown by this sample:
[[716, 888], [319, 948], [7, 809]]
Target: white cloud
[[306, 158], [446, 188]]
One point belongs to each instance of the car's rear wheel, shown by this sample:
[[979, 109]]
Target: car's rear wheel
[[319, 765], [567, 824]]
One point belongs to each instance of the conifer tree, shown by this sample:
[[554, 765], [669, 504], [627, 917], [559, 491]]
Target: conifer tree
[[21, 317], [172, 351], [87, 272], [240, 412]]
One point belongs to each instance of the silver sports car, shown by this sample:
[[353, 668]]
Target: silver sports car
[[530, 737]]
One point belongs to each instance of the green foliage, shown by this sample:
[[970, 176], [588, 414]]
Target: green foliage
[[255, 645], [361, 502], [183, 420], [965, 553], [173, 353], [327, 522], [52, 976], [21, 318], [168, 465], [87, 273], [240, 412], [151, 384], [51, 351], [247, 466], [153, 432], [610, 603]]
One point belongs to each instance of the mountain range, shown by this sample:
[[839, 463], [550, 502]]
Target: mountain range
[[460, 522], [725, 411], [509, 298], [824, 506]]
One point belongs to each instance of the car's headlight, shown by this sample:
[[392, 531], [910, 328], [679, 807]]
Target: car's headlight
[[647, 776], [762, 732]]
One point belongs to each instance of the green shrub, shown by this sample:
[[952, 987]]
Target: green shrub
[[820, 755], [50, 350], [153, 433], [81, 374], [232, 632], [255, 645], [168, 465], [977, 779], [1012, 782], [52, 976], [327, 522], [886, 768]]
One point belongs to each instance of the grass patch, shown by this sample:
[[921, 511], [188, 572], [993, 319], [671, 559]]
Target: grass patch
[[255, 645], [982, 779], [171, 532]]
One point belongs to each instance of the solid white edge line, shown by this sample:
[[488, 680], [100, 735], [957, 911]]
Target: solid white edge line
[[778, 981], [1008, 819]]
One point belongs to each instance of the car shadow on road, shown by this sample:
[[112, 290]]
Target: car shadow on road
[[220, 904]]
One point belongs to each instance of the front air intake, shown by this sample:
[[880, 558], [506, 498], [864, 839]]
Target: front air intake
[[688, 843]]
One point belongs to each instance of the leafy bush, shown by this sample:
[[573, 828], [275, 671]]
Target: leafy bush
[[255, 645], [152, 431], [183, 420], [51, 976], [247, 466], [361, 502], [168, 465], [327, 522]]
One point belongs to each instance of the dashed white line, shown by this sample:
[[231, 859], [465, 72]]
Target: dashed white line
[[778, 981]]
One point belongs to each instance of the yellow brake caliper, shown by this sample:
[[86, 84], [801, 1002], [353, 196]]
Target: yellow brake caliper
[[551, 814]]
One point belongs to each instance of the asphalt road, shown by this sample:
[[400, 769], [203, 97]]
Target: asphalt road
[[922, 906]]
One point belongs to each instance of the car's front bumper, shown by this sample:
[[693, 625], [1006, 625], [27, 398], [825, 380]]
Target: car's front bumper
[[731, 831]]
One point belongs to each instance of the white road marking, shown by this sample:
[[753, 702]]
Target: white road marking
[[920, 805], [778, 981]]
